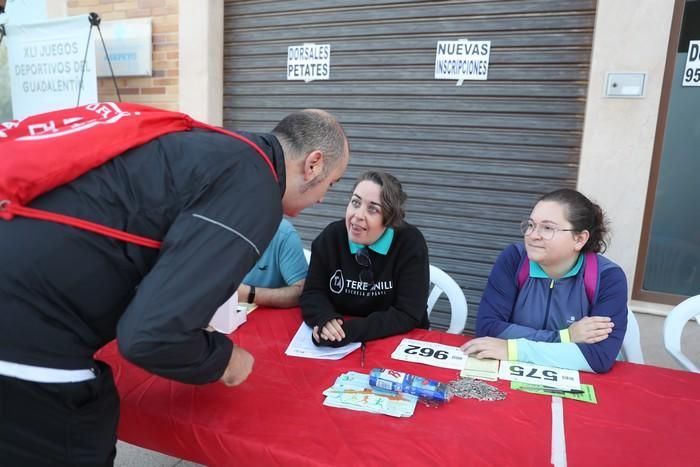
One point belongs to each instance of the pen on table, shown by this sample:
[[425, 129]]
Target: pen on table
[[563, 391], [362, 361]]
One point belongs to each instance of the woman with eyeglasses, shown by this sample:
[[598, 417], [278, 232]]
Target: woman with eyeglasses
[[368, 275], [536, 305]]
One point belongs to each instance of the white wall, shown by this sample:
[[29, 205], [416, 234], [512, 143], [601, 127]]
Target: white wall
[[618, 134], [56, 8], [201, 53]]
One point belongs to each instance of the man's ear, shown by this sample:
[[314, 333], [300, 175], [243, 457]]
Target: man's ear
[[581, 238], [313, 165]]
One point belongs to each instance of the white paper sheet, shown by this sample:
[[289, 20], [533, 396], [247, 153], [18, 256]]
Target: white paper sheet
[[302, 346]]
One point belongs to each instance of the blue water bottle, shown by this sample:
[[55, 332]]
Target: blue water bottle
[[397, 381]]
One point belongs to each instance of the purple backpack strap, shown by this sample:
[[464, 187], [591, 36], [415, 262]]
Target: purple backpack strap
[[524, 271], [590, 275]]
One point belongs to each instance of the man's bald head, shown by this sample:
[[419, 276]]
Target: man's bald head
[[303, 132]]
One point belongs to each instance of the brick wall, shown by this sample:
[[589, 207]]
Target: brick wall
[[161, 89]]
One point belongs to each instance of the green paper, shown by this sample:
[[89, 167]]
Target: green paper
[[587, 396]]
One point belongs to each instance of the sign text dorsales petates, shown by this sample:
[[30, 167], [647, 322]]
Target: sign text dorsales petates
[[308, 62], [462, 59], [46, 60], [691, 74]]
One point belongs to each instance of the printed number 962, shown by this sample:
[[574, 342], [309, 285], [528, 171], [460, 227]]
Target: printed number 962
[[548, 375], [426, 352]]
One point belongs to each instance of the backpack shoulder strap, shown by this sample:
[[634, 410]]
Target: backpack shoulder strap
[[13, 209], [590, 275], [239, 137], [524, 269]]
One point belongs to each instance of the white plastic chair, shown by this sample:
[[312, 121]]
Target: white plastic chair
[[444, 283], [673, 329], [631, 345], [307, 255]]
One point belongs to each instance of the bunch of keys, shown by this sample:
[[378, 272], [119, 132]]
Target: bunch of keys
[[470, 388]]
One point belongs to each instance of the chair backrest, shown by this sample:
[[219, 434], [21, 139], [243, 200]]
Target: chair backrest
[[307, 255], [444, 283], [632, 345], [673, 329]]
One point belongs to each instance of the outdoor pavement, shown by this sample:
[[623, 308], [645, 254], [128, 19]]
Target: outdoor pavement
[[650, 328]]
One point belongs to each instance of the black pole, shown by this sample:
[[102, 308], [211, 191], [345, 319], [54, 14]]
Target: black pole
[[109, 62], [87, 46], [2, 32]]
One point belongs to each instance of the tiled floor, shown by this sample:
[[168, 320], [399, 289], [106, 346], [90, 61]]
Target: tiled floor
[[129, 455], [650, 328]]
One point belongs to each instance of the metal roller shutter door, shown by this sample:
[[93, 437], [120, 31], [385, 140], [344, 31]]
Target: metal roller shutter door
[[472, 158]]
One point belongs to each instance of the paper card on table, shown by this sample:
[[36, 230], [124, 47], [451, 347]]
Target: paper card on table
[[430, 353], [558, 378], [247, 307], [486, 368], [586, 394], [302, 346], [352, 391]]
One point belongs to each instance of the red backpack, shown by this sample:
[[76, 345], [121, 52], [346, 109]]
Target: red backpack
[[47, 150]]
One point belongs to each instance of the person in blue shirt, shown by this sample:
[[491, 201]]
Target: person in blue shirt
[[277, 279], [549, 320]]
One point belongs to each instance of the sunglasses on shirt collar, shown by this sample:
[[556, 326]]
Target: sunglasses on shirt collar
[[363, 259]]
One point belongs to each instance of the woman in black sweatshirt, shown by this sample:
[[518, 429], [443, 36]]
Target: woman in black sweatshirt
[[369, 273]]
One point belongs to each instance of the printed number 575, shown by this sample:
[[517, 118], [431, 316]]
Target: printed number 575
[[549, 375]]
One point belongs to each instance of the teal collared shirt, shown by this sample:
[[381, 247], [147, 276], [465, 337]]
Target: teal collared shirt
[[381, 246], [537, 271]]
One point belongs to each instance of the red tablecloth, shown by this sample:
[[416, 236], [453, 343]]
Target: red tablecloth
[[645, 415]]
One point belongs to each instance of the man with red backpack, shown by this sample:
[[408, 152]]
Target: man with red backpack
[[212, 200]]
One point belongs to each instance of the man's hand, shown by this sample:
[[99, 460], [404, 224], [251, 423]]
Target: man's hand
[[239, 367], [332, 331], [591, 329], [486, 347]]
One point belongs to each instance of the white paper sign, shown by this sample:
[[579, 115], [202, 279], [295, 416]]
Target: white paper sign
[[541, 375], [25, 11], [308, 62], [430, 353], [128, 43], [462, 59], [691, 74], [46, 61]]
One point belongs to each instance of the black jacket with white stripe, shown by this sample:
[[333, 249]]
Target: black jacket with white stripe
[[65, 292]]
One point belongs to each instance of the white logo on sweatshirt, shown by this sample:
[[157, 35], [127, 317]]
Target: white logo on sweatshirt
[[337, 282]]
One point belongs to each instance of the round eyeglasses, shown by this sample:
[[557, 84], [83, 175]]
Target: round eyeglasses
[[546, 231]]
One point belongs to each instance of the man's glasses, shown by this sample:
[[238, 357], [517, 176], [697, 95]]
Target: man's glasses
[[546, 231], [362, 258]]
